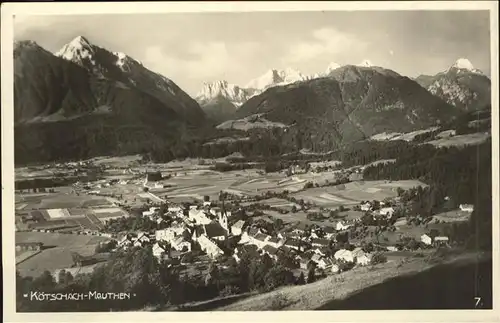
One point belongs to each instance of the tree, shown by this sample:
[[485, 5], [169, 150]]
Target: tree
[[277, 276], [433, 233], [311, 275], [301, 280]]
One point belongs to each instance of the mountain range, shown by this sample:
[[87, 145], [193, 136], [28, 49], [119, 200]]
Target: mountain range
[[85, 100], [350, 104], [89, 94], [460, 85], [221, 99]]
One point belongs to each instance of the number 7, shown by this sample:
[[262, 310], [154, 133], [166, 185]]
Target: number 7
[[478, 299]]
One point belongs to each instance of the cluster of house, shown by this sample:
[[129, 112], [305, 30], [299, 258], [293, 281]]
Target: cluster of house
[[305, 248], [209, 227], [205, 225], [387, 211]]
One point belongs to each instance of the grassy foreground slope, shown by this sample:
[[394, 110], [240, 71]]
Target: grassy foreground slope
[[323, 293]]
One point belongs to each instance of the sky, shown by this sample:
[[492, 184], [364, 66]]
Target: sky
[[193, 48]]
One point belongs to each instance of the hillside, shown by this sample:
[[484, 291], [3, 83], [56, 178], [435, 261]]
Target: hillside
[[84, 88], [351, 104], [339, 292], [461, 85]]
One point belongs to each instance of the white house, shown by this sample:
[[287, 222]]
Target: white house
[[237, 228], [387, 211], [467, 208], [366, 207], [329, 232], [158, 251], [180, 243], [335, 268], [150, 212], [124, 242], [441, 240], [209, 247], [342, 226], [364, 259], [167, 235], [320, 243], [198, 216], [325, 263], [426, 239], [142, 237], [345, 255]]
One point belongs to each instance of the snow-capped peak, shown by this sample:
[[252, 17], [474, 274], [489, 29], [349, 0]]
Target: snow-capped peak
[[464, 64], [275, 77], [76, 50], [332, 66], [365, 63], [222, 88]]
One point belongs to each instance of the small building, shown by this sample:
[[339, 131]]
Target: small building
[[467, 208], [276, 242], [159, 250], [209, 247], [325, 263], [366, 207], [320, 251], [363, 259], [320, 243], [341, 225], [300, 228], [180, 244], [237, 228], [344, 255], [335, 268], [426, 239], [260, 240], [386, 211], [329, 232], [304, 262], [441, 241], [293, 244]]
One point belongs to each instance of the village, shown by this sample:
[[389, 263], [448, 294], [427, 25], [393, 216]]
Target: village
[[287, 225]]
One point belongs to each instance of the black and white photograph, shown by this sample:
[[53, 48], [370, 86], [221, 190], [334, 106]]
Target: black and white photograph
[[241, 160]]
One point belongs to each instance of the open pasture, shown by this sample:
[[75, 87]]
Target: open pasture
[[52, 259], [461, 140], [58, 239], [64, 201], [354, 192], [452, 216]]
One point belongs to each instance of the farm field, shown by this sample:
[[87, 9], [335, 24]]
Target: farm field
[[58, 239], [58, 253], [354, 192], [60, 201], [52, 259]]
